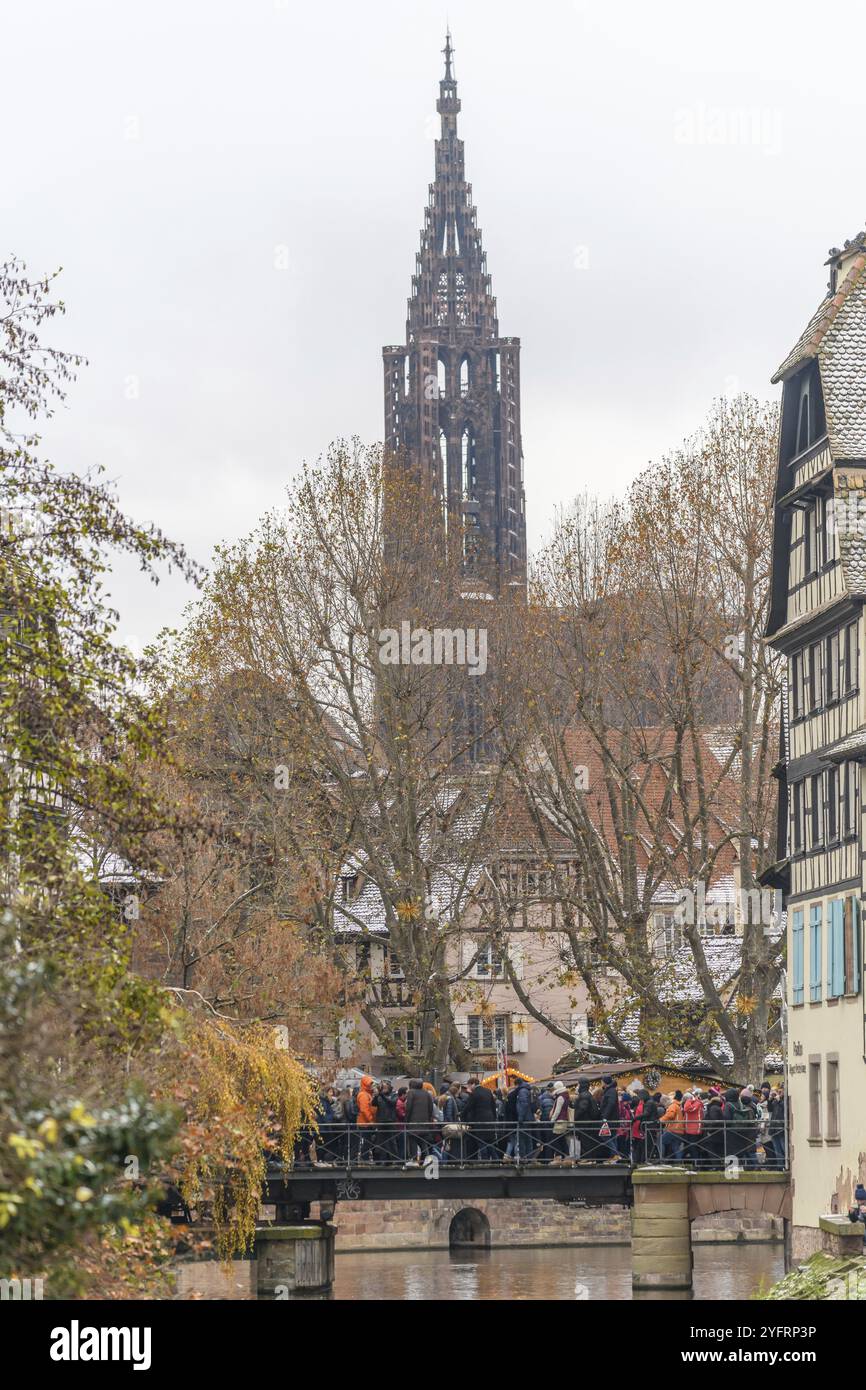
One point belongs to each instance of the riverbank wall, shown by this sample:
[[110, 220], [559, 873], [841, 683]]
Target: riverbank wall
[[500, 1222]]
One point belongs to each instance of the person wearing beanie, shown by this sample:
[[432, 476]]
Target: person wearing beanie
[[560, 1125], [693, 1114]]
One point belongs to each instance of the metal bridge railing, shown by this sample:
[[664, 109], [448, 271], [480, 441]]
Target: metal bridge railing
[[719, 1145]]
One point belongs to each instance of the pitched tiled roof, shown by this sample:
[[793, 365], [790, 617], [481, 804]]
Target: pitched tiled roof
[[850, 747], [809, 340], [448, 891], [842, 358], [678, 982], [850, 498], [836, 336]]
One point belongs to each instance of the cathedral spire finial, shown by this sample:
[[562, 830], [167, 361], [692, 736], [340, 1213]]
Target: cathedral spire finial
[[449, 52]]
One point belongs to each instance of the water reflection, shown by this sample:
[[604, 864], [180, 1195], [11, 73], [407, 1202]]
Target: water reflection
[[562, 1274]]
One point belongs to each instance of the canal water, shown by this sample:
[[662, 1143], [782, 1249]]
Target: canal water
[[561, 1273]]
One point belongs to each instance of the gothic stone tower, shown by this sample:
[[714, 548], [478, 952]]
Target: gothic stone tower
[[452, 391]]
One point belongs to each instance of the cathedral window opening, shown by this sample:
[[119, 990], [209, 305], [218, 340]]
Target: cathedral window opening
[[470, 541], [494, 364], [468, 466], [441, 377], [461, 298], [442, 297], [465, 376]]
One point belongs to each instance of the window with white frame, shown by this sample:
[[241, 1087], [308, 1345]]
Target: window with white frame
[[391, 965], [489, 962], [407, 1034], [348, 887], [485, 1031], [536, 878], [667, 934]]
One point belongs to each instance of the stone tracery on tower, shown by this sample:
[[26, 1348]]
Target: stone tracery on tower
[[452, 390]]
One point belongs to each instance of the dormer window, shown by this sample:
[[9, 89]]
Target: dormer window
[[808, 423], [803, 433], [348, 887]]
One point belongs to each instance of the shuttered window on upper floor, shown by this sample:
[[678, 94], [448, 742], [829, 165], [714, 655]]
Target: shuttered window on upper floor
[[824, 672], [843, 947], [815, 913], [797, 956], [825, 808]]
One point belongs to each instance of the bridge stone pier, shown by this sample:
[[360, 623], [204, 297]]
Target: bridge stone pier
[[294, 1262], [666, 1200]]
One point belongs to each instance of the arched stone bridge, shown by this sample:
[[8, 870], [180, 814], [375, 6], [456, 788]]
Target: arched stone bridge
[[664, 1199]]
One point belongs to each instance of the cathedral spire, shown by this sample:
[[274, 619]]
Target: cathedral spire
[[448, 104], [448, 51], [452, 391]]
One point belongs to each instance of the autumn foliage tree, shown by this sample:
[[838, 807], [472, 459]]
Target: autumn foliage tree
[[392, 758], [91, 1055], [649, 744]]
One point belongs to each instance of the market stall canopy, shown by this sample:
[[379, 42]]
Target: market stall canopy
[[663, 1072]]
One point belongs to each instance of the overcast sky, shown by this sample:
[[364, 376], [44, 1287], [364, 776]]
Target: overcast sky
[[658, 187]]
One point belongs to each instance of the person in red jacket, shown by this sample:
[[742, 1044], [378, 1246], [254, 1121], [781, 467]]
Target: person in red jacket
[[623, 1133], [638, 1129], [693, 1111]]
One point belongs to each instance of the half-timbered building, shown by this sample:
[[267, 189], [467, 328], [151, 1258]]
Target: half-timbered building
[[816, 621]]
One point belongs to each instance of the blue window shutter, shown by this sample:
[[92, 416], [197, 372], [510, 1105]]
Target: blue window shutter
[[836, 951], [797, 953], [815, 952]]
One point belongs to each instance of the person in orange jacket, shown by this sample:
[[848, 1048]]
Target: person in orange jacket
[[674, 1127], [366, 1113]]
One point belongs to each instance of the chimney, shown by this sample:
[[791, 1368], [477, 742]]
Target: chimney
[[840, 262]]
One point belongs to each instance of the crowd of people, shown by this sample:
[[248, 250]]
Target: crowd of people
[[552, 1123]]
